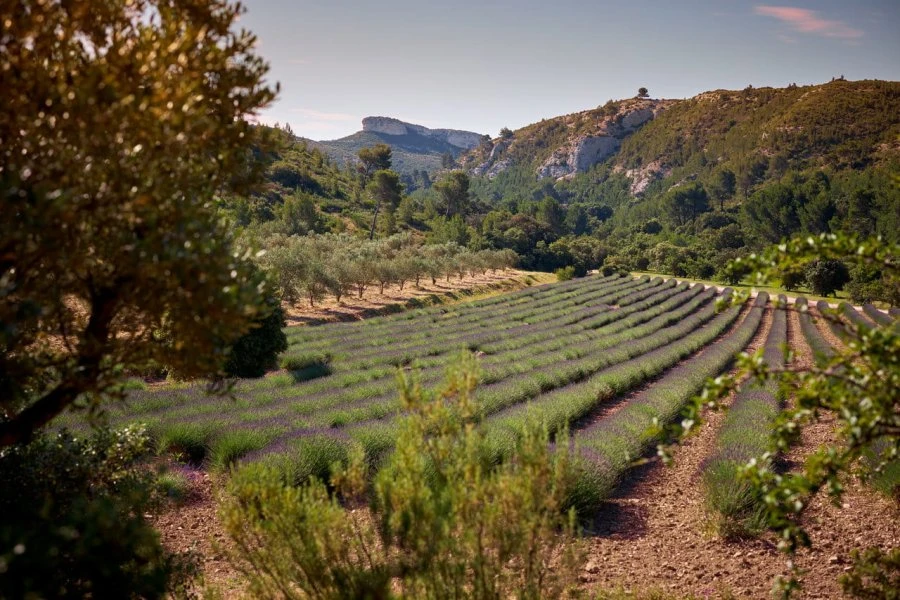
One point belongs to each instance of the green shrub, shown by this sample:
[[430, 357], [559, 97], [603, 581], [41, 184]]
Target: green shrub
[[565, 273], [174, 486], [73, 520], [442, 519], [299, 362], [257, 351], [792, 279], [826, 276]]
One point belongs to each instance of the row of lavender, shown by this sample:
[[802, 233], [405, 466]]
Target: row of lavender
[[610, 445], [745, 435]]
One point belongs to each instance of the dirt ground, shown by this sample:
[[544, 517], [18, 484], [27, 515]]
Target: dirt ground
[[654, 535]]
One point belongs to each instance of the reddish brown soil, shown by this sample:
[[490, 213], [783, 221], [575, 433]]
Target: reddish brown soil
[[194, 527]]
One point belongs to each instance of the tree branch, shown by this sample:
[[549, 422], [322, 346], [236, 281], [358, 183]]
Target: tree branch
[[87, 371]]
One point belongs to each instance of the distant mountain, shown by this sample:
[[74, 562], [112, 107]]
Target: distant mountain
[[756, 133], [415, 148]]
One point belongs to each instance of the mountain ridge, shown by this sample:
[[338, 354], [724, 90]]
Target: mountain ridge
[[414, 147]]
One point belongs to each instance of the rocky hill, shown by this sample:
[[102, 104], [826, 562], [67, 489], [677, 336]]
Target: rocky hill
[[564, 146], [756, 133], [415, 147]]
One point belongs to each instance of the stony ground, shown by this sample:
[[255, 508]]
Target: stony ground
[[654, 535]]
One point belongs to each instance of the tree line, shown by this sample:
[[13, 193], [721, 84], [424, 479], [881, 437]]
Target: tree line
[[312, 267]]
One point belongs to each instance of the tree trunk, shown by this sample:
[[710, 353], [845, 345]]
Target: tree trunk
[[374, 220]]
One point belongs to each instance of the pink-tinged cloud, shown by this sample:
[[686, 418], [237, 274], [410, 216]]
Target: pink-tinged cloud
[[808, 21]]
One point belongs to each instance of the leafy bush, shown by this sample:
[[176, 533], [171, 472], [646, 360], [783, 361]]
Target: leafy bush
[[442, 519], [299, 362], [73, 523], [257, 350], [826, 276], [565, 273], [792, 279]]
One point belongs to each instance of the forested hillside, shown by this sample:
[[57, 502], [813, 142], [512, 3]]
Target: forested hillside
[[678, 187]]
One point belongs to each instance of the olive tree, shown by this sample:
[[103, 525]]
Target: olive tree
[[120, 122]]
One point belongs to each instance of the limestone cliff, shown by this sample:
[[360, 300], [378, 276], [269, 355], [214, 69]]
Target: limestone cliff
[[415, 147], [562, 147], [396, 127]]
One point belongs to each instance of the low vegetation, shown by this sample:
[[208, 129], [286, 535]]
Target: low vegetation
[[440, 520]]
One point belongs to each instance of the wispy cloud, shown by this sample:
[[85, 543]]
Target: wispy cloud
[[319, 115], [804, 20]]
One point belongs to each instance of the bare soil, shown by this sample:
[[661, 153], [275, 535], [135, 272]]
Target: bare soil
[[654, 534]]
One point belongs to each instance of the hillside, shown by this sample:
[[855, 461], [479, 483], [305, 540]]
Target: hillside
[[757, 133], [291, 168], [565, 146], [415, 147]]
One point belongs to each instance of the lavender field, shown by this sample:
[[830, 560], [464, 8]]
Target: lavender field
[[558, 353]]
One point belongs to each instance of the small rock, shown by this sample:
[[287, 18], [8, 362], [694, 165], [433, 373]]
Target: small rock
[[834, 560]]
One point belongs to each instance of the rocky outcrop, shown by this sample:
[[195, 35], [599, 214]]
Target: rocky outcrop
[[579, 140], [583, 152], [390, 126], [578, 156], [493, 166], [642, 177]]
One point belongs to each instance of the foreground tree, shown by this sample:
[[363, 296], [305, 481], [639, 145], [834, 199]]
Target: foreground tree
[[120, 121]]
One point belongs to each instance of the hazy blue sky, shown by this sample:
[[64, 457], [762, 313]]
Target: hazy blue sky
[[485, 64]]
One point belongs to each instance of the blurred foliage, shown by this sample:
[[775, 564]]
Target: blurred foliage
[[875, 575], [73, 521]]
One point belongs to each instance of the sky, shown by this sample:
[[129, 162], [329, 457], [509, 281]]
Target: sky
[[481, 65]]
